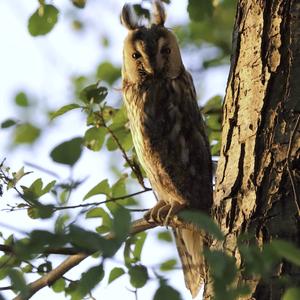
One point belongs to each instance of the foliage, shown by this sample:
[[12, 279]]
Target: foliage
[[110, 203], [43, 20]]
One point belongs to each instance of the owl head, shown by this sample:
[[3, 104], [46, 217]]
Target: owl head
[[150, 52]]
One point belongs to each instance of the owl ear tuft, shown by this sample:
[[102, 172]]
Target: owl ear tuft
[[158, 14], [128, 18]]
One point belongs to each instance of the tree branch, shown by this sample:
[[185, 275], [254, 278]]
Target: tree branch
[[72, 261]]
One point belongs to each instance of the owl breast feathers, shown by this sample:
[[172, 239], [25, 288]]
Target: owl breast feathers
[[167, 128]]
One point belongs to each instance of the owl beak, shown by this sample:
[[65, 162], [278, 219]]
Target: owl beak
[[150, 69], [151, 66]]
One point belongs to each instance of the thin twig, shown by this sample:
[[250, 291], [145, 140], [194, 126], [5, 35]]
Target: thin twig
[[137, 209], [131, 164], [48, 251], [42, 169], [291, 175], [57, 208], [102, 202], [5, 288], [6, 248]]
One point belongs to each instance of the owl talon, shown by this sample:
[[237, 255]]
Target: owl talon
[[152, 215], [170, 210], [162, 212]]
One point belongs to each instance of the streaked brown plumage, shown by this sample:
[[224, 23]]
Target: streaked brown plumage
[[168, 131]]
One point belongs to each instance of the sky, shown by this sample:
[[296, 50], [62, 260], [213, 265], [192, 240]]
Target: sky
[[42, 67]]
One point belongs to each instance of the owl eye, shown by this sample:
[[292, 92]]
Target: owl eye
[[165, 50], [136, 55]]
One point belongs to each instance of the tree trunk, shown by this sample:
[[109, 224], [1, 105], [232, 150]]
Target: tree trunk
[[258, 175]]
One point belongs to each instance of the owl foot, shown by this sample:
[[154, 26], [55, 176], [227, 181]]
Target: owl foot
[[162, 212], [152, 215]]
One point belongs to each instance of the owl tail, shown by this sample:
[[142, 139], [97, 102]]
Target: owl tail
[[190, 248]]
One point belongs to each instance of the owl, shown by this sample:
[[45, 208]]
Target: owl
[[168, 131]]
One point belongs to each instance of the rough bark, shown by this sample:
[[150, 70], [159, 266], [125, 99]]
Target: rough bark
[[258, 175]]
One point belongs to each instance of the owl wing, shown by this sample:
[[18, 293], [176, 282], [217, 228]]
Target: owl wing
[[176, 134], [175, 129]]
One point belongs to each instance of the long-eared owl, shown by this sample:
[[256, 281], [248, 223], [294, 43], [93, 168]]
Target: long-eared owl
[[168, 131]]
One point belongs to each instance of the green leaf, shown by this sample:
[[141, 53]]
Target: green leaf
[[165, 236], [68, 152], [213, 122], [168, 265], [77, 25], [48, 187], [60, 224], [213, 105], [10, 240], [26, 133], [129, 259], [102, 229], [47, 238], [43, 20], [38, 239], [138, 276], [93, 93], [79, 3], [119, 188], [121, 223], [108, 112], [166, 292], [16, 177], [8, 262], [203, 221], [287, 250], [64, 109], [8, 123], [111, 145], [59, 285], [199, 10], [44, 267], [105, 42], [123, 136], [21, 99], [139, 244], [79, 237], [108, 72], [292, 294], [92, 241], [222, 265], [115, 273], [33, 192], [94, 138], [215, 149], [121, 132], [71, 289], [18, 282], [41, 212], [119, 119], [90, 279], [27, 269], [101, 188], [99, 212]]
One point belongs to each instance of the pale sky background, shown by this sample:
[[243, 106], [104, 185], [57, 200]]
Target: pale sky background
[[42, 66]]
